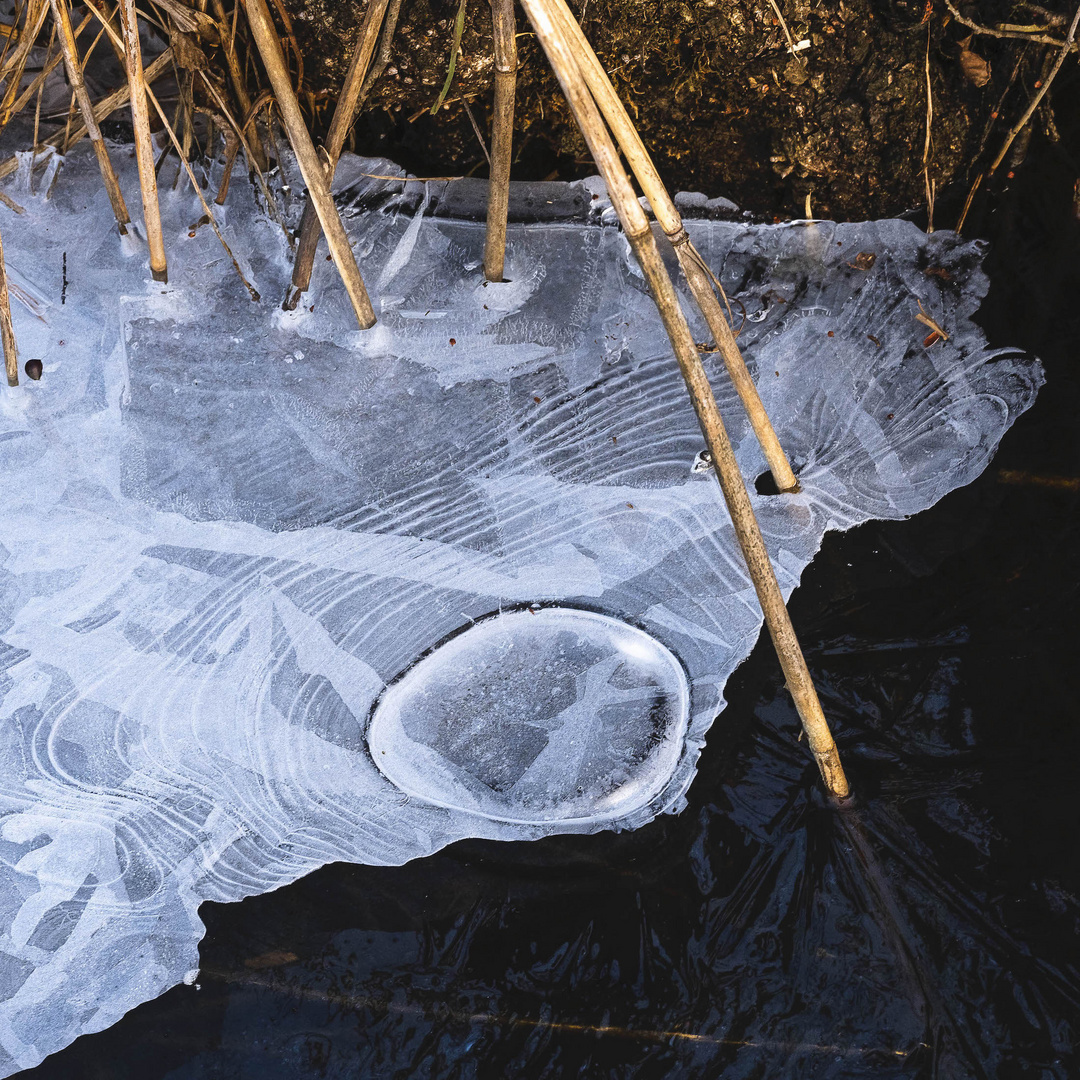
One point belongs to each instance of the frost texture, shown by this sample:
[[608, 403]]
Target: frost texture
[[227, 529]]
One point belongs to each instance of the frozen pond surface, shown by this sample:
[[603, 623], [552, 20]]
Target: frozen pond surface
[[227, 530]]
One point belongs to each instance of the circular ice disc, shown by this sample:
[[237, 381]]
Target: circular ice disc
[[552, 715]]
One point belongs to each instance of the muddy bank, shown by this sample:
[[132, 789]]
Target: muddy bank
[[721, 99]]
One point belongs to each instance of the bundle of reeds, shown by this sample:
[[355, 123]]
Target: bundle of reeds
[[225, 71]]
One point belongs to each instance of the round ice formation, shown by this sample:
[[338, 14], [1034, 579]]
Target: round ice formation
[[549, 715]]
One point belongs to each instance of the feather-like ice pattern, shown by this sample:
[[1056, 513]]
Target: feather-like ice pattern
[[228, 529]]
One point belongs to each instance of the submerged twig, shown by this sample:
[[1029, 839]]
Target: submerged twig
[[1066, 47], [1013, 35]]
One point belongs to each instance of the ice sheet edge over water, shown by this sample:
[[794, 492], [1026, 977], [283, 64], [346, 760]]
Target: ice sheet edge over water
[[228, 528]]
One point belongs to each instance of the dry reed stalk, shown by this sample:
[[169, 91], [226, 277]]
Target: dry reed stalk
[[11, 34], [41, 90], [344, 116], [16, 63], [238, 130], [698, 275], [47, 69], [502, 136], [62, 20], [636, 226], [236, 77], [102, 110], [311, 165], [7, 332], [198, 191], [144, 148]]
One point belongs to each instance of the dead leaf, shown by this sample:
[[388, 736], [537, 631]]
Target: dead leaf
[[976, 70], [187, 52], [863, 261]]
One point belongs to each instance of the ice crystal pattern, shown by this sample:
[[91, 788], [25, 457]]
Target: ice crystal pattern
[[234, 538]]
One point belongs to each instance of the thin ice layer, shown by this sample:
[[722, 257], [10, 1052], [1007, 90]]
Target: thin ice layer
[[227, 529]]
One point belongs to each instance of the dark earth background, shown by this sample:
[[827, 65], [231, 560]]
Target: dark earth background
[[944, 648], [722, 104]]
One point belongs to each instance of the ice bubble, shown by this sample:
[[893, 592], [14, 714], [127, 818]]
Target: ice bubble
[[548, 714]]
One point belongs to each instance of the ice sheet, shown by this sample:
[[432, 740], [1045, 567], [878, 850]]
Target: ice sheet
[[227, 529]]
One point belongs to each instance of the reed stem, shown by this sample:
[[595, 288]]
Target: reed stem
[[344, 116], [144, 148], [550, 33], [7, 332], [62, 20], [693, 265], [502, 136], [311, 166]]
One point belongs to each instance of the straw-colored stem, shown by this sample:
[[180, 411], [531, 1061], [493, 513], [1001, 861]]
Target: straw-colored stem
[[7, 333], [144, 148], [344, 116], [311, 166], [75, 78], [236, 77], [636, 226], [16, 63], [49, 67], [502, 137], [697, 273], [102, 110]]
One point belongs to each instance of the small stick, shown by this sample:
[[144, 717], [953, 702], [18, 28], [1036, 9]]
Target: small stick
[[697, 273], [232, 148], [344, 116], [636, 226], [62, 20], [198, 191], [1015, 130], [312, 168], [7, 332], [144, 149], [1041, 39], [502, 136], [385, 45]]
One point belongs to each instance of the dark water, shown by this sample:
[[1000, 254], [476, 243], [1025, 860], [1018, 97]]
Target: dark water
[[929, 931]]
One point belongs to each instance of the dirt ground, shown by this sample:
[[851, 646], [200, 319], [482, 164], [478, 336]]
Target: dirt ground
[[722, 101]]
